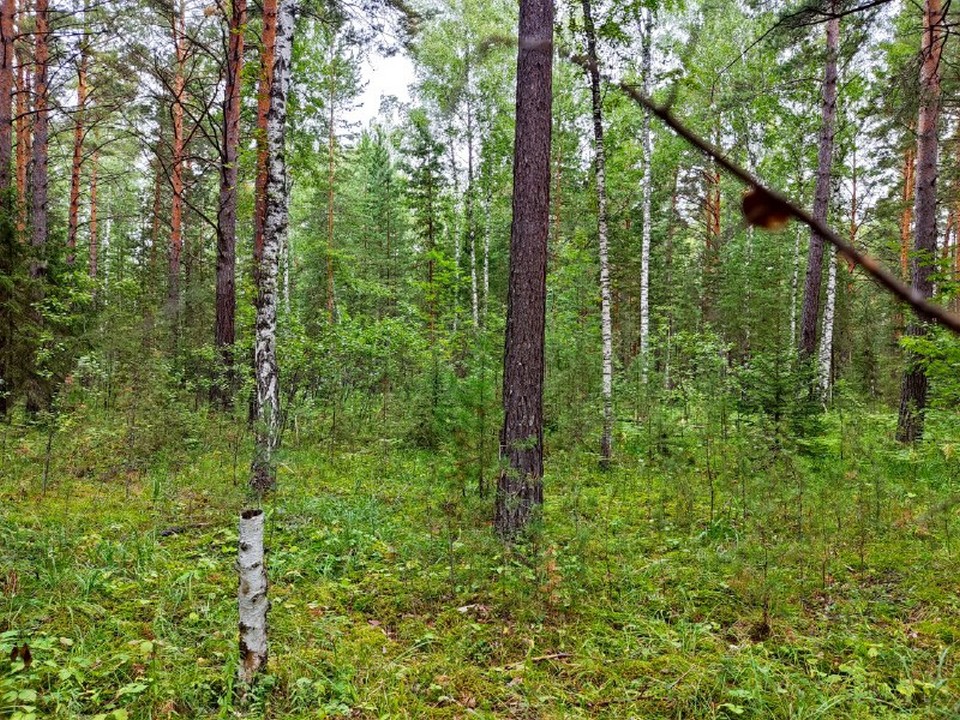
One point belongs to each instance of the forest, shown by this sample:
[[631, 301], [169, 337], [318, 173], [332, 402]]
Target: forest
[[610, 369]]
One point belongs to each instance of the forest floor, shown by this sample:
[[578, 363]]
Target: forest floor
[[804, 596]]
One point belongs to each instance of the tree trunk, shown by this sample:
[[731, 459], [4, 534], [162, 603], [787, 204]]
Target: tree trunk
[[39, 175], [7, 239], [73, 216], [94, 251], [906, 215], [275, 221], [711, 261], [821, 199], [645, 68], [252, 596], [471, 229], [23, 118], [520, 484], [600, 169], [226, 299], [179, 30], [825, 352], [913, 392], [331, 175], [268, 41]]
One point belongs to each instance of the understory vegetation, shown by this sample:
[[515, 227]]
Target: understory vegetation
[[720, 569]]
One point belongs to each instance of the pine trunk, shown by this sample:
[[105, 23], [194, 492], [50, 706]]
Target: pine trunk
[[226, 299], [73, 215], [39, 174], [599, 167], [178, 21], [913, 392], [520, 484], [821, 200], [275, 221], [7, 239], [23, 117]]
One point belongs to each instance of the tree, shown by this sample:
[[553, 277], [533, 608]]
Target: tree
[[599, 170], [263, 469], [79, 130], [226, 296], [520, 484], [913, 389], [821, 202]]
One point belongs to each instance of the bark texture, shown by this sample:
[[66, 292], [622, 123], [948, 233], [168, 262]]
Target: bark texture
[[913, 390], [252, 596], [821, 198], [23, 120], [268, 41], [226, 300], [39, 156], [7, 13], [263, 469], [520, 484], [179, 30], [647, 141], [600, 171], [76, 166]]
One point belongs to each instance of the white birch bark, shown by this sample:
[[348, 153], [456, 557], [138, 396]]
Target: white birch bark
[[488, 201], [263, 470], [647, 162], [606, 439], [471, 230], [825, 351], [252, 596]]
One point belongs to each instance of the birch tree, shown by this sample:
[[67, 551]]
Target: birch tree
[[599, 169], [275, 221]]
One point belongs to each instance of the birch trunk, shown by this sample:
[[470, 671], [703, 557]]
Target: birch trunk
[[471, 230], [599, 166], [263, 469], [94, 240], [913, 392], [825, 352], [645, 68], [821, 200], [268, 41], [252, 596], [794, 287], [331, 169]]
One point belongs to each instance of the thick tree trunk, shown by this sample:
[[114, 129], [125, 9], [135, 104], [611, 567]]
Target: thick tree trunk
[[821, 198], [520, 484], [825, 352], [73, 215], [179, 31], [913, 392], [647, 142], [226, 300], [252, 596], [275, 221], [39, 175], [268, 41], [906, 215], [600, 169]]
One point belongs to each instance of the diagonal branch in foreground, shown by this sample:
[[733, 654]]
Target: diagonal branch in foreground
[[883, 277]]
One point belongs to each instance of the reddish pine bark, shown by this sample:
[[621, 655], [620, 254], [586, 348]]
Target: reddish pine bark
[[178, 22], [906, 215], [23, 119], [821, 198], [520, 484], [73, 215], [226, 301], [267, 52], [913, 390]]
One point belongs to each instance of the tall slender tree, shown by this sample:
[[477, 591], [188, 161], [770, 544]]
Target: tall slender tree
[[600, 173], [39, 156], [821, 199], [79, 129], [520, 484], [913, 389], [178, 26], [226, 299], [275, 223]]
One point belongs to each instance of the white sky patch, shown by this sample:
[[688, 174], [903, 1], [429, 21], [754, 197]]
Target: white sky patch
[[382, 76]]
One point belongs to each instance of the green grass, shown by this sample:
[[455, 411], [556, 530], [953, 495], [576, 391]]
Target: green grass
[[826, 585]]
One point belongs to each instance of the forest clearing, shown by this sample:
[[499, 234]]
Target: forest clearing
[[608, 370]]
